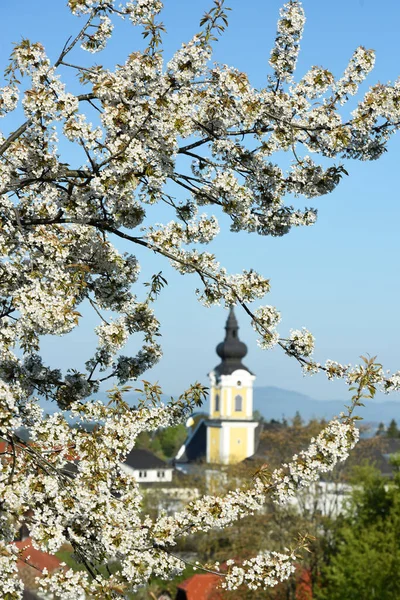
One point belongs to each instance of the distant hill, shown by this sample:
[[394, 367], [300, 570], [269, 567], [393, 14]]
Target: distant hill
[[275, 403]]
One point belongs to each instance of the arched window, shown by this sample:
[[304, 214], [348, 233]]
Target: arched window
[[238, 403], [216, 402]]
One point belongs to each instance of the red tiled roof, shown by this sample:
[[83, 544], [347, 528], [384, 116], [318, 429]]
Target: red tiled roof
[[201, 587], [5, 447], [205, 587], [37, 559], [304, 585]]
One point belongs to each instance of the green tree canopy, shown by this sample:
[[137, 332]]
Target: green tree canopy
[[393, 430], [365, 556]]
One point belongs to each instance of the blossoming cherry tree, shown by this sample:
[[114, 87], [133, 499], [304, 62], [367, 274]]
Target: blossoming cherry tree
[[194, 137]]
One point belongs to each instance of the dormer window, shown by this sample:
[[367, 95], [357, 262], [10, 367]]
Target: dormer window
[[238, 403]]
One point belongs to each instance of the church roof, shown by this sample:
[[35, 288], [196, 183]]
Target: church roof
[[195, 447], [231, 350]]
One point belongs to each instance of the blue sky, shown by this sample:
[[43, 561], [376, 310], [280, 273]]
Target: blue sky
[[339, 278]]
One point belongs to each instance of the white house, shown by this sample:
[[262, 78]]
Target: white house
[[146, 467]]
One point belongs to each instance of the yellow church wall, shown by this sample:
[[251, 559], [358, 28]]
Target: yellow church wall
[[213, 393], [223, 402], [214, 441], [240, 414], [224, 394], [238, 444]]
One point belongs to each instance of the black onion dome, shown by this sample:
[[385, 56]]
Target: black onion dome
[[231, 350]]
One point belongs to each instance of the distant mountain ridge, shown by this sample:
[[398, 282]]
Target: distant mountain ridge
[[275, 403]]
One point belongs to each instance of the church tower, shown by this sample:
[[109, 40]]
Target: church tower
[[230, 427]]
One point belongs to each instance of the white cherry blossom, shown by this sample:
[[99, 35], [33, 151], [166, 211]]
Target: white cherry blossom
[[196, 138]]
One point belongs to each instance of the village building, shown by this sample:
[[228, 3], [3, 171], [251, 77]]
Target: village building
[[146, 467], [207, 586], [31, 563], [228, 435], [164, 488], [202, 586]]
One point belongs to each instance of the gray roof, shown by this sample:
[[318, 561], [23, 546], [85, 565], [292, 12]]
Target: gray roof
[[195, 444], [144, 459]]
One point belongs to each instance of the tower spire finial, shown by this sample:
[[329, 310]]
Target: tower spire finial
[[231, 350]]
